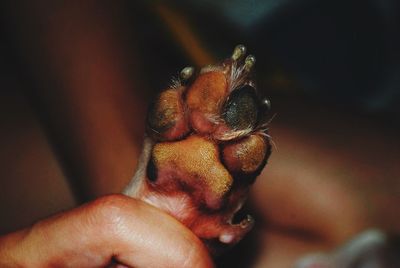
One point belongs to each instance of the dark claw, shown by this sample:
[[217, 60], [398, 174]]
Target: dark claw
[[238, 52], [186, 73], [249, 62]]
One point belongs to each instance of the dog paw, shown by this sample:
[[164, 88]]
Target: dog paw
[[206, 143]]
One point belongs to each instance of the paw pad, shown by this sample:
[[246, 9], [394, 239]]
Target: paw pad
[[206, 143], [220, 106]]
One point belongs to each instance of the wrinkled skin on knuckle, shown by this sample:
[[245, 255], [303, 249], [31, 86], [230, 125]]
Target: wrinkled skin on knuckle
[[109, 213]]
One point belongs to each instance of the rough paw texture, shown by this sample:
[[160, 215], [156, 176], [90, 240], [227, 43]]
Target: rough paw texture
[[206, 142]]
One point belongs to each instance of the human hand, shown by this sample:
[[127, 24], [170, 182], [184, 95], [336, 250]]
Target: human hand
[[112, 230]]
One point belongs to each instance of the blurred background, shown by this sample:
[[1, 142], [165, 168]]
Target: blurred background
[[76, 78]]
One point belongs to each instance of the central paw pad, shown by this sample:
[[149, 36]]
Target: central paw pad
[[209, 142]]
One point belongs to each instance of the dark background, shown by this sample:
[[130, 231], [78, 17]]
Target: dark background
[[76, 78]]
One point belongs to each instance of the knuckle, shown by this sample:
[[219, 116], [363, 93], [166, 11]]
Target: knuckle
[[110, 211]]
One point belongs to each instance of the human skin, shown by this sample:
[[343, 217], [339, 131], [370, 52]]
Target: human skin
[[289, 224], [114, 230], [113, 226]]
